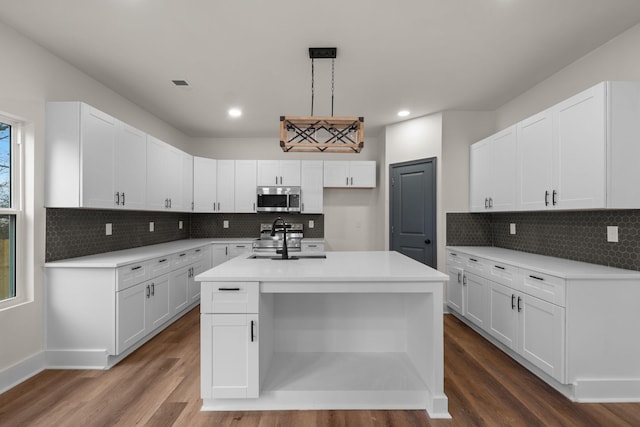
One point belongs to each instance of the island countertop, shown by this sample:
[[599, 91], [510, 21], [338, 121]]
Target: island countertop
[[370, 266]]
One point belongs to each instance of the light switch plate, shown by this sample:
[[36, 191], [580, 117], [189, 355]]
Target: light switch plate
[[225, 224], [151, 226], [512, 228], [179, 225], [612, 233], [108, 229], [311, 223]]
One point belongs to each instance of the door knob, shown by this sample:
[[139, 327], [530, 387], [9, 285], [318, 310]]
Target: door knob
[[428, 241]]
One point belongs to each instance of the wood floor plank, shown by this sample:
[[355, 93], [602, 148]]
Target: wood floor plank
[[159, 385]]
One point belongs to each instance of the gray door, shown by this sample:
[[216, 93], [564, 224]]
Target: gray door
[[413, 210]]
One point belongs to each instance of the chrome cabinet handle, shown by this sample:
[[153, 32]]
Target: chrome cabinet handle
[[513, 302], [123, 199], [117, 198], [148, 291], [490, 202], [153, 289], [486, 202], [519, 307], [553, 197], [546, 197], [464, 280], [459, 274], [252, 333]]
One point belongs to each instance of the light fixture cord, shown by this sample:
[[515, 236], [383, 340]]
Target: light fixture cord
[[312, 83], [333, 62]]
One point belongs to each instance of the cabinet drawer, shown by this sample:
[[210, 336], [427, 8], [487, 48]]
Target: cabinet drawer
[[502, 273], [198, 254], [454, 259], [159, 266], [236, 249], [229, 297], [132, 274], [180, 259], [312, 247], [546, 287], [476, 265]]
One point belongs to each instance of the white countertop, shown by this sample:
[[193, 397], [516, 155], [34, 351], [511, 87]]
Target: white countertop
[[129, 256], [559, 267], [337, 267]]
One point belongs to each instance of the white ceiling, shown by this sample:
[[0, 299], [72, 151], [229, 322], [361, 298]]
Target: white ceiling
[[422, 55]]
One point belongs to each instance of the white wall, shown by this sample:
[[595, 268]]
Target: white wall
[[352, 217], [29, 77], [616, 60]]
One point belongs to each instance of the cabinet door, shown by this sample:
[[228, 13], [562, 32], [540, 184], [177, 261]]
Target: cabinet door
[[204, 184], [290, 172], [225, 185], [186, 193], [475, 292], [130, 167], [131, 307], [268, 173], [480, 175], [98, 132], [503, 320], [194, 286], [157, 165], [245, 186], [179, 289], [503, 168], [454, 289], [159, 307], [542, 335], [535, 160], [336, 173], [312, 186], [229, 356], [173, 177], [580, 150], [219, 254], [362, 174]]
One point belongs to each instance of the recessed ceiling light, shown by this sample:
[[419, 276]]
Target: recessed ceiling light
[[180, 82], [404, 113], [235, 112]]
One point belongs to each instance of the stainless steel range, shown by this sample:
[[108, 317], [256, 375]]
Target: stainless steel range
[[270, 244]]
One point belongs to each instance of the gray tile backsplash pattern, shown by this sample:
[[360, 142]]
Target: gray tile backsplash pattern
[[78, 232], [576, 235], [464, 229], [248, 225]]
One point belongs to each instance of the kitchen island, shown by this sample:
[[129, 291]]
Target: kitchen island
[[354, 330]]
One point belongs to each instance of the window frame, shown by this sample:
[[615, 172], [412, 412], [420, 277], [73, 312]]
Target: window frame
[[16, 209]]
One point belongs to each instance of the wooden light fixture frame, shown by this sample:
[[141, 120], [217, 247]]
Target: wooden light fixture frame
[[321, 134]]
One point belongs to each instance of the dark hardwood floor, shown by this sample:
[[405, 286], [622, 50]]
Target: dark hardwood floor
[[158, 385]]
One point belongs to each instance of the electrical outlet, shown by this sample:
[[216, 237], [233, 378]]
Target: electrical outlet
[[225, 224], [311, 223], [512, 228], [152, 226], [108, 229], [179, 225], [612, 233]]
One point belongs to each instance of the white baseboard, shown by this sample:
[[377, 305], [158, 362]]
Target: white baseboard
[[22, 371], [607, 390]]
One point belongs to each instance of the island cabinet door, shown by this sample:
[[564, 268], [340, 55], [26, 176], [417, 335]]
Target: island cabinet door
[[229, 356]]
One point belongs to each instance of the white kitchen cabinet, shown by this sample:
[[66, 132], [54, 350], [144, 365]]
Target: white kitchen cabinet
[[467, 292], [455, 295], [221, 252], [349, 174], [278, 172], [132, 317], [205, 178], [159, 308], [535, 154], [225, 182], [130, 167], [231, 344], [312, 246], [312, 186], [503, 317], [164, 176], [475, 294], [91, 159], [179, 285], [492, 173], [186, 192], [245, 186]]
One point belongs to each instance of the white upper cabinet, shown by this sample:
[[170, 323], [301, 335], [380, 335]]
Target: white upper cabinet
[[204, 184], [225, 181], [492, 172], [535, 154], [245, 185], [187, 183], [347, 174], [312, 186], [92, 159], [130, 167], [278, 172], [165, 166]]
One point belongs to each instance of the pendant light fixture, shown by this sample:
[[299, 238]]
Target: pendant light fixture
[[323, 134]]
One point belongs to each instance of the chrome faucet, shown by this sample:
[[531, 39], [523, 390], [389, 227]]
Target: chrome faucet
[[285, 251]]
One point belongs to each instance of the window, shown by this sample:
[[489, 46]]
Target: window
[[9, 206]]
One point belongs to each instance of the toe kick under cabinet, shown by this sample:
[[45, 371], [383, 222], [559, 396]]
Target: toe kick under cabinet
[[102, 307], [571, 323]]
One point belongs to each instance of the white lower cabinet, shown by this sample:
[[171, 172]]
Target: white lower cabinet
[[221, 252], [232, 344], [179, 281], [475, 298], [229, 340]]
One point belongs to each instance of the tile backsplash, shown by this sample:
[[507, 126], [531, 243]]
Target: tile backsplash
[[576, 235], [78, 232]]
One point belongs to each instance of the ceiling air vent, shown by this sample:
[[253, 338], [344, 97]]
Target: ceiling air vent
[[180, 82]]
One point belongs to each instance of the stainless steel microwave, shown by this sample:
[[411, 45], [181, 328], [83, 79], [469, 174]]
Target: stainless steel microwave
[[278, 199]]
